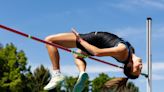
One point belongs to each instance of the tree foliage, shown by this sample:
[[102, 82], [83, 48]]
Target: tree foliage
[[40, 78], [98, 82], [12, 69], [71, 81], [1, 46]]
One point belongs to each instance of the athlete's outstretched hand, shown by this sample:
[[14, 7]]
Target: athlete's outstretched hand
[[76, 34], [74, 31]]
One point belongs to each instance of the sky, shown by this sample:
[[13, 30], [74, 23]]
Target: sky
[[125, 18]]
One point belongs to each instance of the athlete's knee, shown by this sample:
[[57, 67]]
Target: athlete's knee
[[48, 39], [76, 55], [80, 55], [57, 38]]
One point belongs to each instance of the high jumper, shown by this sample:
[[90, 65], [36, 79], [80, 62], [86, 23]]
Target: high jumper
[[92, 44]]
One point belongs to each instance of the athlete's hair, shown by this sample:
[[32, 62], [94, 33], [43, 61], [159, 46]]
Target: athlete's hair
[[128, 68], [119, 84], [115, 85]]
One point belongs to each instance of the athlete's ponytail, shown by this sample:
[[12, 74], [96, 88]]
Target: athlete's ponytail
[[115, 85]]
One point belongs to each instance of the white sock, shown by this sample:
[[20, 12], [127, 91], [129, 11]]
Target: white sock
[[56, 72], [81, 73]]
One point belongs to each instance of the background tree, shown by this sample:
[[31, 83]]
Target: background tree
[[71, 81], [40, 78], [99, 81], [130, 87], [16, 77], [13, 68], [1, 46]]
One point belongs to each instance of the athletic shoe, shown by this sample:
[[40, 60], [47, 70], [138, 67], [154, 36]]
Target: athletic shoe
[[55, 81], [80, 84]]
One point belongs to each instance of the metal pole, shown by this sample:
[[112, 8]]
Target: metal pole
[[149, 55]]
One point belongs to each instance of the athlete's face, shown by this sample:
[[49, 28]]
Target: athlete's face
[[137, 65]]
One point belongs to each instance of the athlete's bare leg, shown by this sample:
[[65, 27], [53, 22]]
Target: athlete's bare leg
[[64, 39], [80, 62]]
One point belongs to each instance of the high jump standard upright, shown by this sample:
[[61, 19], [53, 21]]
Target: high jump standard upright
[[149, 54]]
